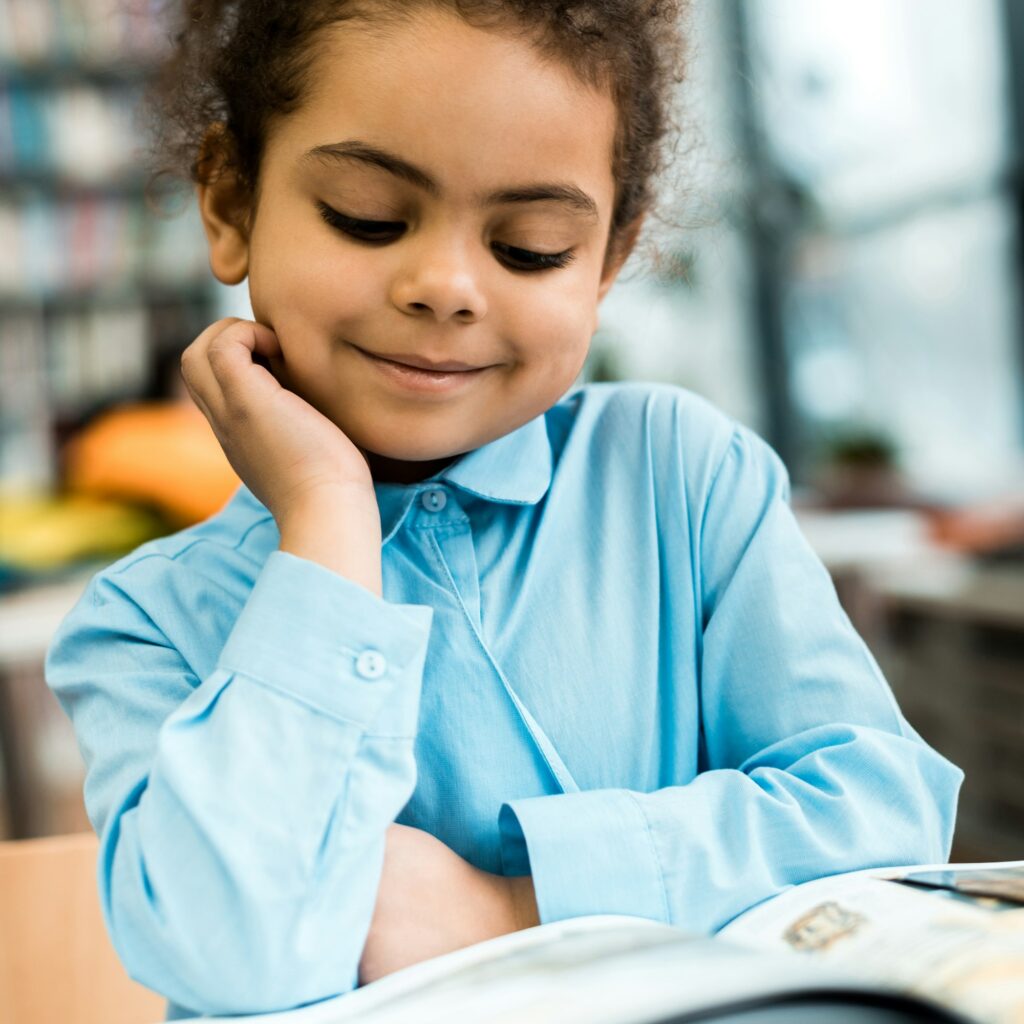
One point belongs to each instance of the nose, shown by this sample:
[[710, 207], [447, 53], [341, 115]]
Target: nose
[[439, 279]]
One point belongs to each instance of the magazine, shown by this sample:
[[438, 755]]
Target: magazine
[[954, 933], [918, 943]]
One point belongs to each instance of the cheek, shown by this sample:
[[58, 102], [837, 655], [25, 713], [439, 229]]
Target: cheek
[[558, 322], [338, 279], [313, 291]]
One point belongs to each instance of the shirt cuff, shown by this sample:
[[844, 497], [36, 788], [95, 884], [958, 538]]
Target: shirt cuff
[[324, 639], [588, 853]]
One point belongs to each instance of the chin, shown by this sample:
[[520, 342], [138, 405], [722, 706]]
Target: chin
[[408, 450]]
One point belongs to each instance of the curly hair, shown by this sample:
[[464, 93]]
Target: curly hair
[[634, 48]]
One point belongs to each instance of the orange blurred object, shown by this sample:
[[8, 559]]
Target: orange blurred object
[[160, 453], [981, 528]]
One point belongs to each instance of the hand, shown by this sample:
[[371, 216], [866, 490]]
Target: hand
[[431, 901], [283, 449]]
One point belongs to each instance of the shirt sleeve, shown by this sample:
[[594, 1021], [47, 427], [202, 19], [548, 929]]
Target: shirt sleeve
[[807, 766], [242, 816]]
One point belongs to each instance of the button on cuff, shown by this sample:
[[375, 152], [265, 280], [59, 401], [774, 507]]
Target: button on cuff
[[307, 631], [371, 664]]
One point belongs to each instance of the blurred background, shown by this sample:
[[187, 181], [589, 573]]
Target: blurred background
[[841, 270]]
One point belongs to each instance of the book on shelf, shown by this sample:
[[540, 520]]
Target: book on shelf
[[85, 244], [885, 945], [79, 32], [71, 132]]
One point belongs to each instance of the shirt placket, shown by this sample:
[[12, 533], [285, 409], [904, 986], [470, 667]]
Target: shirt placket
[[452, 541]]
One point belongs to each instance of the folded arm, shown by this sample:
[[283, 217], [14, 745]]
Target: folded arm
[[807, 767]]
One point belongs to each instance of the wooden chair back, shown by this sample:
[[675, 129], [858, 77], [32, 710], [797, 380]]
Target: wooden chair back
[[57, 965]]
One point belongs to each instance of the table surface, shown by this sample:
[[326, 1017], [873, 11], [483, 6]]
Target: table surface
[[892, 553]]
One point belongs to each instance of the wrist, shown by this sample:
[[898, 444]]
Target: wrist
[[328, 501], [341, 532], [524, 901]]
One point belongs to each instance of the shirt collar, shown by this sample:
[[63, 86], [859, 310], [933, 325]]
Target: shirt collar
[[514, 469]]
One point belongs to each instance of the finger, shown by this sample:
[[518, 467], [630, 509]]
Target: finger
[[259, 339], [214, 419], [198, 375], [189, 366], [195, 396], [231, 356]]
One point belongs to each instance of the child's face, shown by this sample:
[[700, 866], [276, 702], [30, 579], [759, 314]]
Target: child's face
[[479, 114]]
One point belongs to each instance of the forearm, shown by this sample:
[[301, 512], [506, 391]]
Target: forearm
[[836, 799], [203, 833], [184, 872], [524, 900], [431, 901]]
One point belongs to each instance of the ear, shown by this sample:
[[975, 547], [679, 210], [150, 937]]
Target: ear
[[615, 260], [224, 211]]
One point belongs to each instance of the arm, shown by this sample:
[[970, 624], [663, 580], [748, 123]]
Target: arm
[[242, 805], [242, 816], [807, 766], [430, 901]]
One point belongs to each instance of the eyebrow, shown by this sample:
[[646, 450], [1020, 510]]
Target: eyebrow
[[559, 192]]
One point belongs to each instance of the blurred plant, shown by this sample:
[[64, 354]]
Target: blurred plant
[[857, 466], [859, 446]]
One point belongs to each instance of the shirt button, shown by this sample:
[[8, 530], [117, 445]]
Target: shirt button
[[433, 501], [371, 664]]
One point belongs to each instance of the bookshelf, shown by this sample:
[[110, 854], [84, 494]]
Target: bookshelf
[[99, 294], [98, 291]]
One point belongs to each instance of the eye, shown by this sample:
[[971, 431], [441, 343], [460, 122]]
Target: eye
[[525, 259], [389, 230], [363, 230]]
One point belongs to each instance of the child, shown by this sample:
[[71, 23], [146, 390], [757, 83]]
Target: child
[[469, 650]]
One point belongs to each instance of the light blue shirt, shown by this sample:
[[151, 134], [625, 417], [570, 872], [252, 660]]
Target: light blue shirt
[[605, 656]]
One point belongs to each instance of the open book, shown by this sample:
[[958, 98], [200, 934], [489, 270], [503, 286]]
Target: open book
[[922, 943]]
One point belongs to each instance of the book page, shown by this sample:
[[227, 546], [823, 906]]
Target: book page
[[601, 969], [964, 949]]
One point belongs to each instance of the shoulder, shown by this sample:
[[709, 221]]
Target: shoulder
[[642, 398], [662, 424], [179, 570], [639, 406], [234, 530], [659, 444]]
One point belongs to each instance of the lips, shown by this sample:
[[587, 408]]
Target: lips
[[416, 383], [419, 363]]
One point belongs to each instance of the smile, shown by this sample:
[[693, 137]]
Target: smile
[[411, 378]]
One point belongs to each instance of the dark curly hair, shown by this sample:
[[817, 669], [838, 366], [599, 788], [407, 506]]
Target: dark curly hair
[[634, 48]]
